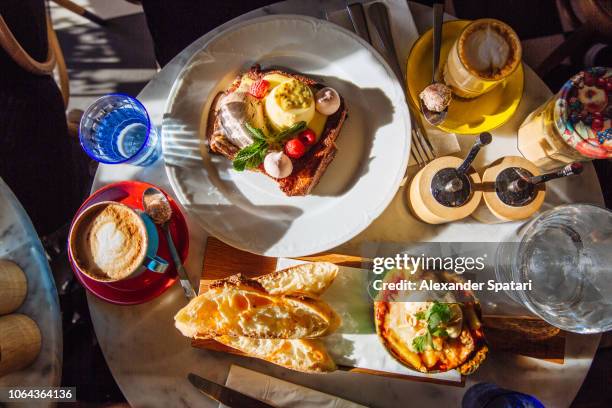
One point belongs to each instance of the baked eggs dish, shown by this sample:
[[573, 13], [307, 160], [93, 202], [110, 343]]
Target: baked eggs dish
[[432, 337]]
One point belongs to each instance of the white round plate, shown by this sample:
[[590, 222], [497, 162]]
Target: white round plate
[[246, 209]]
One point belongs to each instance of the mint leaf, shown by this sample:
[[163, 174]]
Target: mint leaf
[[250, 156], [298, 127], [254, 154], [258, 134], [420, 315]]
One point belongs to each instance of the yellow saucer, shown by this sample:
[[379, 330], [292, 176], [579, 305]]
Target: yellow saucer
[[465, 116]]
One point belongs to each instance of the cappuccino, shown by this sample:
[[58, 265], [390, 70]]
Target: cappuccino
[[109, 241], [486, 52]]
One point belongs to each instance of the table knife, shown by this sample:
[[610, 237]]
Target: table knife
[[225, 395]]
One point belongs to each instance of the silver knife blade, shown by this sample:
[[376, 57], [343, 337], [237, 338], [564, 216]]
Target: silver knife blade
[[225, 395]]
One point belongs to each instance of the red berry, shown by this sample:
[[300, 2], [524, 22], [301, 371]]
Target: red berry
[[259, 88], [294, 148], [601, 82], [609, 85], [308, 137], [588, 80], [597, 124]]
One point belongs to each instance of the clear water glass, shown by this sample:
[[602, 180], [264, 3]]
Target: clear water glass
[[566, 253], [117, 129]]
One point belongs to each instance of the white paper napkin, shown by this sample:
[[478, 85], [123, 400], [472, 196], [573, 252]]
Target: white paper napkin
[[281, 393]]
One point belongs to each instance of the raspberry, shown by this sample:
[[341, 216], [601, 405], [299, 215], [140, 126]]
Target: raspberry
[[259, 88]]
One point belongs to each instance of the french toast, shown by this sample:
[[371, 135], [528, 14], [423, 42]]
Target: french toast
[[247, 105]]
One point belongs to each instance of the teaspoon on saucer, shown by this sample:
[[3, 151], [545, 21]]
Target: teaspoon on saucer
[[433, 117], [157, 207]]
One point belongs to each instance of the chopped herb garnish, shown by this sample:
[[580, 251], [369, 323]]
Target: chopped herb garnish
[[420, 343], [436, 316]]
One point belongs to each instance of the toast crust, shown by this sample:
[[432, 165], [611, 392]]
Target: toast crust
[[308, 169]]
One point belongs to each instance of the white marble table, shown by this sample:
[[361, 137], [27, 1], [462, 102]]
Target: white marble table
[[19, 243], [150, 359]]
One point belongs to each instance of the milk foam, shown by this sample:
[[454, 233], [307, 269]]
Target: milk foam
[[486, 50], [114, 243]]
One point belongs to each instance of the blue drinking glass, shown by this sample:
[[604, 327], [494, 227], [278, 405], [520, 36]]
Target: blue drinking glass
[[117, 129], [487, 395]]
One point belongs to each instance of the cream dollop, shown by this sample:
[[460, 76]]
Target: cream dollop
[[327, 101], [278, 165]]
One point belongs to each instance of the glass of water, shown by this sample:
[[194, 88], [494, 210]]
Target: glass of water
[[566, 256], [117, 129]]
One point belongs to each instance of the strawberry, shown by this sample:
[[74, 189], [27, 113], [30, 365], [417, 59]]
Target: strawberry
[[295, 148], [259, 88], [308, 137]]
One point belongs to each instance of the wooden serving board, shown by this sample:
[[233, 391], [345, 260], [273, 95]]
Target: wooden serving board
[[525, 335]]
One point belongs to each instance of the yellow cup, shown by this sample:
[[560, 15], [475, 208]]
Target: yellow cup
[[466, 70]]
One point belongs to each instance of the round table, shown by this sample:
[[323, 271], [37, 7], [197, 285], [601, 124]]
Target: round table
[[150, 359], [19, 243]]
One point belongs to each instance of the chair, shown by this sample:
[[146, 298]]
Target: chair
[[54, 62], [595, 21]]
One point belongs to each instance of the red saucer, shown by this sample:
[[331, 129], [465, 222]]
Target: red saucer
[[147, 285]]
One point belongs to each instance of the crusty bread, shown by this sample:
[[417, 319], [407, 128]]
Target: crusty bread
[[309, 279], [307, 355], [308, 169], [241, 307]]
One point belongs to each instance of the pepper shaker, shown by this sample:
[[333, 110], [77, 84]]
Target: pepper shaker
[[445, 190], [514, 189]]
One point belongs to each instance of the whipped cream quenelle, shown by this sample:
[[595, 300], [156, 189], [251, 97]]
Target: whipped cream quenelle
[[278, 165], [486, 52], [108, 242], [327, 101]]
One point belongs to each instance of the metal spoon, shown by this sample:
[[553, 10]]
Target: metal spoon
[[435, 118], [157, 207]]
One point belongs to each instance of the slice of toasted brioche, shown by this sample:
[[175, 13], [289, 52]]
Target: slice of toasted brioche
[[309, 279], [308, 169], [307, 355], [241, 307]]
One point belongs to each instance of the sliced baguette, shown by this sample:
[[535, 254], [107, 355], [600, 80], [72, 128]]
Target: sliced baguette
[[309, 279], [306, 355], [241, 307]]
